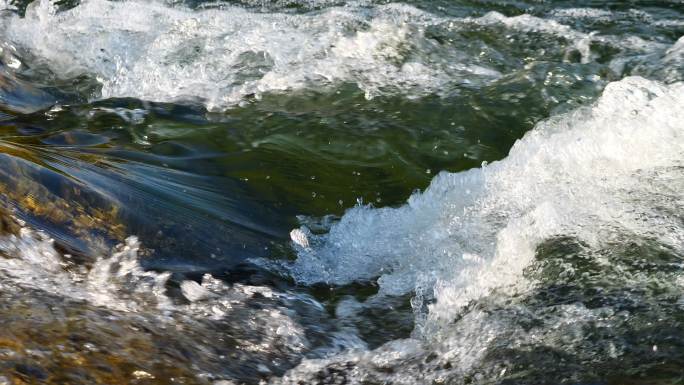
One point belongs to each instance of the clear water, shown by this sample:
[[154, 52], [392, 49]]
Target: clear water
[[331, 192]]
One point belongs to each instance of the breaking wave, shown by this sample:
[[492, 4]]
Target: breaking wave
[[601, 176]]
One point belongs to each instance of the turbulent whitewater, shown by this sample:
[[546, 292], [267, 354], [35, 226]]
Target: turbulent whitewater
[[226, 55], [595, 177], [150, 51], [341, 192]]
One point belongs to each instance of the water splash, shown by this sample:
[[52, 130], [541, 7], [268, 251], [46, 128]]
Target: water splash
[[599, 175], [230, 55]]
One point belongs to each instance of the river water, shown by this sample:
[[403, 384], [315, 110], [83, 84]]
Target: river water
[[341, 192]]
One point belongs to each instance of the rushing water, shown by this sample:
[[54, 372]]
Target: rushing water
[[216, 193]]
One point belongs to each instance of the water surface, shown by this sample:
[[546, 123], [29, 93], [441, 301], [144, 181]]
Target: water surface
[[363, 192]]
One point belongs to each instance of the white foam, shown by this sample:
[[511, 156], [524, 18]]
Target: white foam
[[601, 174], [528, 23], [116, 281], [29, 261], [674, 59], [466, 346], [575, 175], [7, 5], [155, 52], [228, 55], [583, 13], [642, 52], [269, 321]]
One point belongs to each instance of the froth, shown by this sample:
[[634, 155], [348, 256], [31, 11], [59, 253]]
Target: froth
[[116, 281], [223, 328], [585, 174], [222, 56], [598, 175], [228, 55], [5, 5]]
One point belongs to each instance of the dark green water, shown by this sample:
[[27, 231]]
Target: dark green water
[[196, 136]]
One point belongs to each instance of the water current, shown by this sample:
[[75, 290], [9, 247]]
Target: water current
[[341, 192]]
